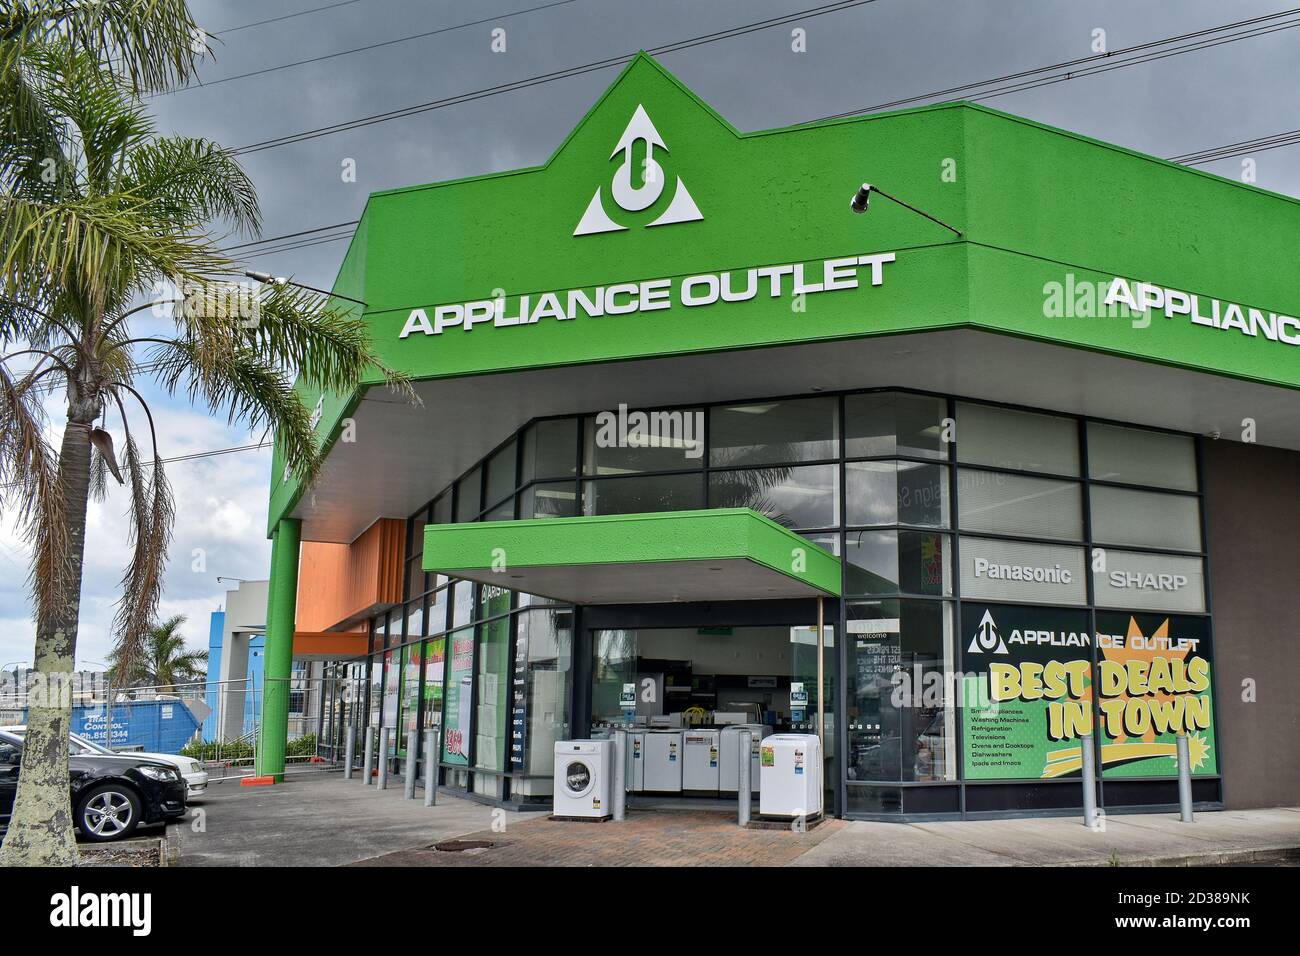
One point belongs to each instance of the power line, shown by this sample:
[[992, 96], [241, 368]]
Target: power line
[[686, 44], [287, 16], [1102, 62], [1260, 144], [363, 49]]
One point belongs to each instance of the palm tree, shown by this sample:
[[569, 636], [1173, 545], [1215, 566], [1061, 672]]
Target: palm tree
[[163, 662], [98, 215]]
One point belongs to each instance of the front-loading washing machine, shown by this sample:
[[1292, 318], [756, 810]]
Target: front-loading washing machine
[[584, 771]]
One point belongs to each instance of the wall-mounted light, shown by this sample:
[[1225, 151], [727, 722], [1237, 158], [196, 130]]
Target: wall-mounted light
[[861, 202]]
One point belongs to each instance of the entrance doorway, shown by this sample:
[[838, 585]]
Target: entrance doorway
[[683, 691]]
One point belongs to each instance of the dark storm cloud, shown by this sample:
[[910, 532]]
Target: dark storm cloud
[[857, 57]]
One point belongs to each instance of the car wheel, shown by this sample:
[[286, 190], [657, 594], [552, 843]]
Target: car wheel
[[108, 812]]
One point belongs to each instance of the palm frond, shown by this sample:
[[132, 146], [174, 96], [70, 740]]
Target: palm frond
[[193, 180], [29, 475], [240, 383], [151, 512], [153, 43], [98, 246]]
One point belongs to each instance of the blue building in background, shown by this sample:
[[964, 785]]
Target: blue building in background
[[216, 625]]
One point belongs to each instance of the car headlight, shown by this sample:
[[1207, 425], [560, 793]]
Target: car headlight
[[196, 767], [159, 773]]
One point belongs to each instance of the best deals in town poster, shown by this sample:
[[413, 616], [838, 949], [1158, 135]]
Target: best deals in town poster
[[1031, 674]]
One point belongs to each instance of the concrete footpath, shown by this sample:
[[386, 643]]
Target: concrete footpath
[[322, 820], [1225, 837]]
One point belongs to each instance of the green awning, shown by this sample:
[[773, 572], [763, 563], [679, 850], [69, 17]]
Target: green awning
[[723, 554]]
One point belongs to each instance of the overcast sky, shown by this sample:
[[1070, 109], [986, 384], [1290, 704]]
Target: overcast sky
[[868, 54]]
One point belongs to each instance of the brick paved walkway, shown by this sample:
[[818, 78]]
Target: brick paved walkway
[[645, 838]]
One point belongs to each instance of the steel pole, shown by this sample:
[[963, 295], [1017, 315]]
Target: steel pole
[[744, 783], [367, 772], [1089, 782], [383, 757], [1184, 780], [821, 678], [412, 760], [349, 751], [619, 798], [430, 767]]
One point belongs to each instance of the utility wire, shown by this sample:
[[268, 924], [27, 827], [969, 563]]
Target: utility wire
[[375, 118], [207, 84], [1263, 24], [287, 16]]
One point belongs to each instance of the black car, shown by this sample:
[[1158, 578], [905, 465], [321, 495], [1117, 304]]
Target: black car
[[111, 796]]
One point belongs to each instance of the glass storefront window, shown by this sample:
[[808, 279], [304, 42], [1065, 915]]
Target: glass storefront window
[[893, 562], [550, 450], [999, 503], [435, 658], [502, 512], [501, 474], [896, 492], [1145, 519], [409, 717], [442, 509], [540, 702], [901, 724], [803, 497], [462, 611], [459, 698], [770, 433], [549, 500], [632, 441], [889, 424], [621, 496], [436, 616], [493, 683], [469, 496], [1025, 441], [1135, 456], [614, 655]]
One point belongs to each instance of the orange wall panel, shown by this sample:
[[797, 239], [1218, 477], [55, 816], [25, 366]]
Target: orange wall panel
[[338, 582]]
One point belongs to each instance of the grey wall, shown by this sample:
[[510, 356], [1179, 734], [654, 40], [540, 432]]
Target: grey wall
[[1253, 517]]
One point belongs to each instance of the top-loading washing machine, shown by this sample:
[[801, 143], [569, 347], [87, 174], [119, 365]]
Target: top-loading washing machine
[[729, 756], [662, 753], [700, 760]]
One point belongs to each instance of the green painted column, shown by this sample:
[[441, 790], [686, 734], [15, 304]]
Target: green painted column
[[281, 606]]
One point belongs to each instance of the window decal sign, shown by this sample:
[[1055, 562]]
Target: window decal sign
[[1029, 685]]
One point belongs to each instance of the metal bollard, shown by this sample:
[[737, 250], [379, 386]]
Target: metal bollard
[[349, 752], [412, 749], [369, 767], [430, 767], [1184, 780], [746, 771], [1089, 782], [619, 799], [383, 757]]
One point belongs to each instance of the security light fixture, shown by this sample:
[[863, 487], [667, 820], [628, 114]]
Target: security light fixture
[[862, 200], [267, 279]]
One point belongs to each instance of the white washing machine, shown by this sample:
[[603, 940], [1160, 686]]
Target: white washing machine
[[792, 776], [584, 772], [729, 753], [700, 761], [662, 754]]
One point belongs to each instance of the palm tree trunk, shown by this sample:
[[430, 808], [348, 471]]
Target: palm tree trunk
[[41, 828]]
